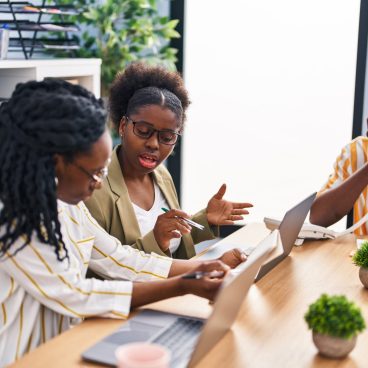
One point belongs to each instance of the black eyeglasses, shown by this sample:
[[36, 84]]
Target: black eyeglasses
[[97, 177], [146, 131]]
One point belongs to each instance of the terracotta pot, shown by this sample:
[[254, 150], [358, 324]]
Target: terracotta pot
[[333, 347], [363, 275]]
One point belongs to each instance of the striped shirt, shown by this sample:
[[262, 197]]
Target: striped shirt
[[352, 158], [40, 296]]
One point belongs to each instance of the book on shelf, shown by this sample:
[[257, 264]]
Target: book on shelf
[[26, 25], [26, 7], [29, 21]]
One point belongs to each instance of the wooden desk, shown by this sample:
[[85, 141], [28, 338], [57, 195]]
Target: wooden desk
[[270, 330]]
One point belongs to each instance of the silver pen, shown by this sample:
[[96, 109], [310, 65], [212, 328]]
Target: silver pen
[[197, 275], [190, 222]]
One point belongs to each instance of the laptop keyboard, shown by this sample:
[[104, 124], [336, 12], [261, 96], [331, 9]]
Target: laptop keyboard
[[180, 338]]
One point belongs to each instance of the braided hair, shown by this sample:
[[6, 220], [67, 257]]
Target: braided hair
[[41, 119], [142, 85]]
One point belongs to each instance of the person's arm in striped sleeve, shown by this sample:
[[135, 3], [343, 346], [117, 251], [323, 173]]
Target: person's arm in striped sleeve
[[61, 285], [113, 260], [345, 184]]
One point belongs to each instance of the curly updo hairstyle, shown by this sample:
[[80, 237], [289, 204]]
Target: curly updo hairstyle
[[143, 85], [41, 119]]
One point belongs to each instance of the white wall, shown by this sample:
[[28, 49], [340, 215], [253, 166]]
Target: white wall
[[272, 85]]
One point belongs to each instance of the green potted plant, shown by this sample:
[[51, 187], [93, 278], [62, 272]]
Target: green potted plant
[[360, 259], [335, 323], [122, 31]]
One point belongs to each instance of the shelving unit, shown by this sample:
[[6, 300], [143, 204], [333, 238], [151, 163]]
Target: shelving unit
[[85, 72], [25, 32]]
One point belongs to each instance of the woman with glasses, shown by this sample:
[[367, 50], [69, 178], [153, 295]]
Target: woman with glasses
[[147, 107], [54, 153]]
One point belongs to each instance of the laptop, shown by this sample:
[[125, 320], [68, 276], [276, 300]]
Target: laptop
[[189, 339], [289, 229]]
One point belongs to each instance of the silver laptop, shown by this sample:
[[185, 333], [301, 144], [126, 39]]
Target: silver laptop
[[289, 229], [189, 339]]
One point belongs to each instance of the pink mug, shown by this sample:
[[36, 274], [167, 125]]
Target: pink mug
[[142, 355]]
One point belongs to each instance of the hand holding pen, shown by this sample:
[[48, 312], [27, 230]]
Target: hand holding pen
[[198, 275], [187, 220], [170, 225], [205, 279]]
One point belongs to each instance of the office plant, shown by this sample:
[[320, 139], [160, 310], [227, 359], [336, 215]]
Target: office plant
[[122, 31], [335, 323], [360, 259]]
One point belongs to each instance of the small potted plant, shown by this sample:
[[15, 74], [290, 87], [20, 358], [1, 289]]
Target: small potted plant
[[335, 322], [360, 259]]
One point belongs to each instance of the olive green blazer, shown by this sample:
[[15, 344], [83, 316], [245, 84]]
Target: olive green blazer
[[113, 210]]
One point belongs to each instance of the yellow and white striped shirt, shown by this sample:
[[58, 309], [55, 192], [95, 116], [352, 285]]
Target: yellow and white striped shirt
[[40, 295], [352, 158]]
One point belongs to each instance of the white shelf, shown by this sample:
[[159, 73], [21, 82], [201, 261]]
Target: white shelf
[[85, 71]]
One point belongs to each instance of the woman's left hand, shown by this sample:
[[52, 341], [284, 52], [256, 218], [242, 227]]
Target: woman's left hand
[[233, 257], [222, 212]]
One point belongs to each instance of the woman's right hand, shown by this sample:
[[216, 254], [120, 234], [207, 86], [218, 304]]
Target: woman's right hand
[[206, 286], [168, 226]]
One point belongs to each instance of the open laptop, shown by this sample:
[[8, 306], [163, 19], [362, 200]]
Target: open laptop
[[189, 339], [289, 229]]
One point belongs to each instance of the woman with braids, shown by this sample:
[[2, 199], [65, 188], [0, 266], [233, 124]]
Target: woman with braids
[[54, 153], [147, 106]]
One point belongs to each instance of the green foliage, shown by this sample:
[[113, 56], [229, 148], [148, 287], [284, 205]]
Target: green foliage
[[335, 316], [122, 31], [360, 258]]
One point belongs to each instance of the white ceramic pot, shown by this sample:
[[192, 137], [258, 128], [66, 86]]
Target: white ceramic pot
[[333, 347], [363, 275]]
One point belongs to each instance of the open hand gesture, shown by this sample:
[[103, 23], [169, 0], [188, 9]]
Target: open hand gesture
[[222, 212]]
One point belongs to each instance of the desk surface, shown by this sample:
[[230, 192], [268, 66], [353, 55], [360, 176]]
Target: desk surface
[[270, 330]]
